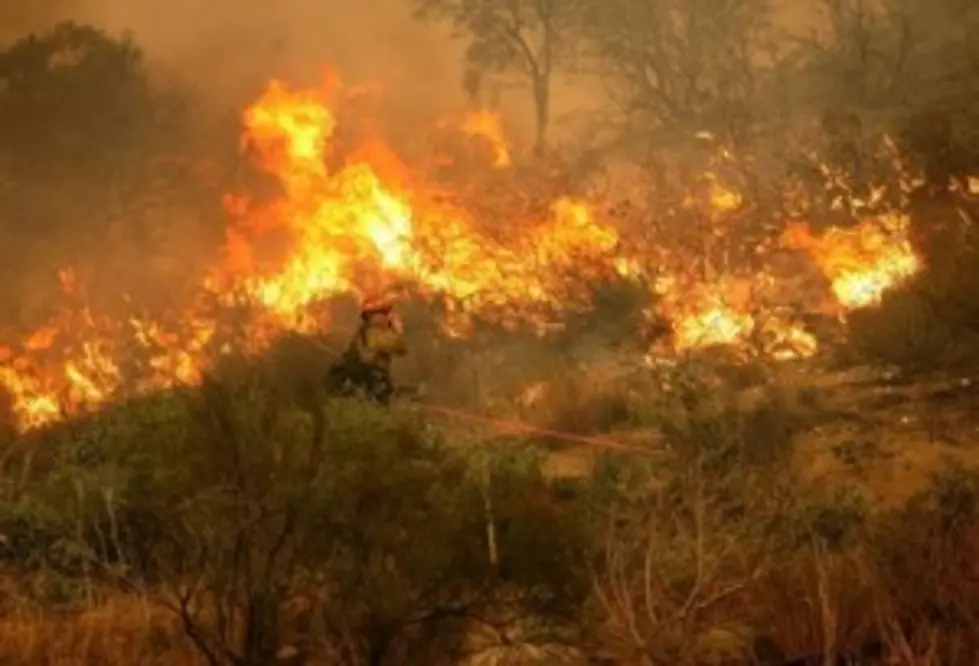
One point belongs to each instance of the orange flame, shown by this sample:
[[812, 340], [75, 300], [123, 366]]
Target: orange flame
[[488, 126], [351, 222], [864, 262]]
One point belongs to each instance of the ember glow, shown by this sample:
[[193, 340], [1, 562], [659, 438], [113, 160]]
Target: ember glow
[[362, 221]]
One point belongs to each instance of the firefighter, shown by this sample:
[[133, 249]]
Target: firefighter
[[366, 364]]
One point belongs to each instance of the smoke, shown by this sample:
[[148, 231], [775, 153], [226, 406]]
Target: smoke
[[227, 49]]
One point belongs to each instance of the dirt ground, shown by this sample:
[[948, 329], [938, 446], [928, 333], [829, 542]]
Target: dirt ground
[[890, 436]]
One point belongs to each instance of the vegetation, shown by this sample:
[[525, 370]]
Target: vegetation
[[101, 159], [236, 525], [747, 517]]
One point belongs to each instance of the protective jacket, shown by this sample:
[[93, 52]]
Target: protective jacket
[[376, 347]]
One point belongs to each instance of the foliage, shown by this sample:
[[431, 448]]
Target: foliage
[[95, 148], [932, 540], [930, 323], [76, 100], [681, 67], [344, 530], [529, 38], [268, 524], [673, 564]]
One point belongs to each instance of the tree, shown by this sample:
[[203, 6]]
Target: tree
[[677, 64], [886, 66], [879, 53], [73, 78], [523, 37], [92, 145]]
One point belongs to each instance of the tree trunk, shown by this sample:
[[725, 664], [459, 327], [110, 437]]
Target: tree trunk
[[542, 111], [261, 641]]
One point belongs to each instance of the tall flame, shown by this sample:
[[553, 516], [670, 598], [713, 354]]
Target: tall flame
[[356, 221]]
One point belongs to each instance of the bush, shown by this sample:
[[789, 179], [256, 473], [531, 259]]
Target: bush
[[926, 556], [264, 523], [348, 530], [932, 321], [905, 332]]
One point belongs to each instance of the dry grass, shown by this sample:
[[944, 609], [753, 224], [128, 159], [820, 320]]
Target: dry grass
[[119, 630], [890, 441]]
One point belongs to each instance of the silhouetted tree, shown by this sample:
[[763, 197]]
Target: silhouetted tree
[[90, 143], [672, 64], [74, 99], [526, 38]]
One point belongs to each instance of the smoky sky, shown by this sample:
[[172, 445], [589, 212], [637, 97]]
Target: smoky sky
[[227, 48]]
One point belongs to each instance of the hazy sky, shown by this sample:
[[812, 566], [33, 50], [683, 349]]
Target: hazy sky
[[231, 46]]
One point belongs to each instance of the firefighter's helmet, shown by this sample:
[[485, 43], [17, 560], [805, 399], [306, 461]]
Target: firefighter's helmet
[[379, 304]]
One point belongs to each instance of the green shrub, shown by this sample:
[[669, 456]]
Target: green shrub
[[242, 504]]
